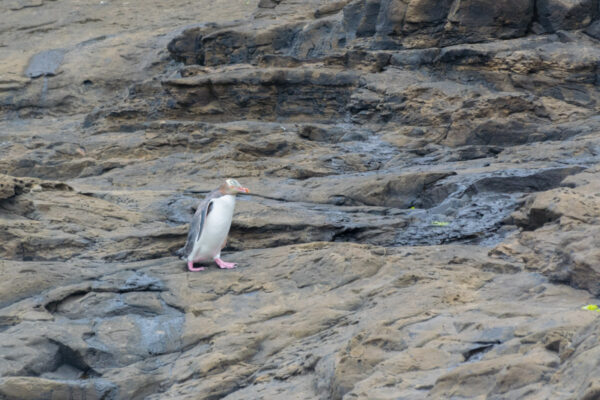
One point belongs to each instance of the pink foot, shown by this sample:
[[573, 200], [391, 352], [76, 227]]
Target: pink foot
[[223, 264], [191, 267]]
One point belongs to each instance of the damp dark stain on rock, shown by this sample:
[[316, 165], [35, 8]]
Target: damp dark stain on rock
[[45, 63]]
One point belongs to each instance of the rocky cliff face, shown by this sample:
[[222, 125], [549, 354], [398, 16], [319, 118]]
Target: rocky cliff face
[[425, 216]]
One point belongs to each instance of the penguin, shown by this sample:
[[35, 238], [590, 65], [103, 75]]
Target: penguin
[[210, 226]]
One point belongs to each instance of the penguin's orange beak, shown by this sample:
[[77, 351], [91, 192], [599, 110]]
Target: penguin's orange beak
[[242, 189]]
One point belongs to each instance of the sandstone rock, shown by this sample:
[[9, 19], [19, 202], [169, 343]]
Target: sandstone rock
[[38, 388], [569, 216], [423, 220], [481, 19], [557, 15], [216, 95]]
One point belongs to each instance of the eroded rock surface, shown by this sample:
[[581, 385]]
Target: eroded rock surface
[[425, 209]]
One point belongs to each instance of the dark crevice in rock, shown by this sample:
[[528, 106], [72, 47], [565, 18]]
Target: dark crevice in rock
[[538, 218], [536, 182], [69, 359], [534, 26], [476, 353], [53, 306], [347, 234]]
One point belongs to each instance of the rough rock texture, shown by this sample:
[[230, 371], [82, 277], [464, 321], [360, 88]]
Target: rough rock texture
[[425, 211]]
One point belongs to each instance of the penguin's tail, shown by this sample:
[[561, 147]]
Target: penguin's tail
[[180, 253]]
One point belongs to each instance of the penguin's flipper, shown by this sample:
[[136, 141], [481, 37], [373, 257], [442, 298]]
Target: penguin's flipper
[[196, 226]]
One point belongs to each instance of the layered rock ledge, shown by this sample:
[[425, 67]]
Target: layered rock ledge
[[425, 209]]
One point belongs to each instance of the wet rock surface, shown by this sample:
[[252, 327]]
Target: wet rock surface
[[424, 216]]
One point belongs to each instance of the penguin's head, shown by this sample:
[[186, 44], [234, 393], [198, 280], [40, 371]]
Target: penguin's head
[[233, 187]]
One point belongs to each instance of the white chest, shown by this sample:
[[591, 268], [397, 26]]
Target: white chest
[[215, 229]]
